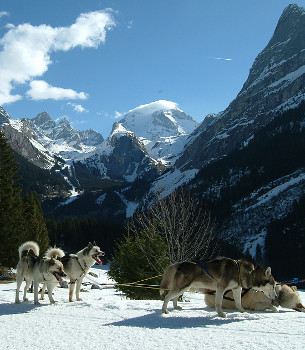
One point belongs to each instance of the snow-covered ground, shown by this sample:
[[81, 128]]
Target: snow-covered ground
[[106, 320]]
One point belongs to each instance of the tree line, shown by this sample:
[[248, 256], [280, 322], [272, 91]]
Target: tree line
[[21, 217], [285, 244], [275, 151], [74, 233]]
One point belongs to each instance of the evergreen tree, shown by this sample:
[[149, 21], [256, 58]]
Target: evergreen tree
[[36, 229], [12, 226], [132, 263]]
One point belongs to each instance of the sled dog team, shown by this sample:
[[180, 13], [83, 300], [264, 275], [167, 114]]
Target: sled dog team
[[50, 269], [219, 279]]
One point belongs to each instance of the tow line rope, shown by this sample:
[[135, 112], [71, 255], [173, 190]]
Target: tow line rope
[[295, 280], [136, 284], [8, 274]]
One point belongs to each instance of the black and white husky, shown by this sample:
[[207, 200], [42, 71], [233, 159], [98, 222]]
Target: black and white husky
[[220, 274], [40, 270], [77, 265]]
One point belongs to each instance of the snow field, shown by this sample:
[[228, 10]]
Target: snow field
[[106, 319]]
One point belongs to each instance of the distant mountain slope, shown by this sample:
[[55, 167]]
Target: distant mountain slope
[[61, 139], [246, 163], [162, 127], [257, 184], [276, 82], [121, 157]]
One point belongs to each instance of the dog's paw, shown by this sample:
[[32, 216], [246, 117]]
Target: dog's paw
[[36, 302], [25, 299], [178, 308], [222, 314], [165, 311], [79, 299], [274, 309], [17, 301]]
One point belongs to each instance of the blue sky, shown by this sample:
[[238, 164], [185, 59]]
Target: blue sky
[[93, 60]]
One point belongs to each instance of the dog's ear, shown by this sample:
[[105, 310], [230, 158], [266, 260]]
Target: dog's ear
[[268, 272], [90, 245], [94, 243], [294, 288]]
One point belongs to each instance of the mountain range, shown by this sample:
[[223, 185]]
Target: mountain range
[[245, 163]]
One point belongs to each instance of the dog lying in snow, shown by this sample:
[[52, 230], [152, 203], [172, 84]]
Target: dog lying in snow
[[287, 297]]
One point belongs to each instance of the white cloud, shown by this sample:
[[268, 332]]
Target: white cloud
[[130, 24], [108, 115], [223, 59], [4, 13], [117, 115], [219, 58], [89, 30], [78, 108], [41, 90], [26, 49]]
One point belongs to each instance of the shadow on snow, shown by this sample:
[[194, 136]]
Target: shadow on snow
[[176, 320]]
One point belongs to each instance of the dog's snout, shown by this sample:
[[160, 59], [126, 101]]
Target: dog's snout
[[272, 294]]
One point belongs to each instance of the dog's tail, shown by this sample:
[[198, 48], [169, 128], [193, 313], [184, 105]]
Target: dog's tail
[[25, 247], [168, 278], [54, 252]]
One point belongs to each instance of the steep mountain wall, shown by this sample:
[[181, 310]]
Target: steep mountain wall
[[276, 82]]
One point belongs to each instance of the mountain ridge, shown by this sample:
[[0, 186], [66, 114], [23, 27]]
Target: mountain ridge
[[220, 160], [276, 81]]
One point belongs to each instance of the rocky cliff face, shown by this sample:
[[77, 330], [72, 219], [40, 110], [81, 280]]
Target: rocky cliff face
[[25, 142], [276, 82], [122, 157], [4, 117], [152, 137], [61, 137]]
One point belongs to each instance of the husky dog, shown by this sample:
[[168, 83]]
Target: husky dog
[[220, 274], [77, 265], [40, 270], [287, 297]]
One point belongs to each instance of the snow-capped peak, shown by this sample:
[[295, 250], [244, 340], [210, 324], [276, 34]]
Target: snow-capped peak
[[4, 117], [119, 130], [157, 106], [44, 121], [158, 119], [159, 125]]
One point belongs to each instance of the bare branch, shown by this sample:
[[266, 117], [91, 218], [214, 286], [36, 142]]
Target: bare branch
[[186, 228]]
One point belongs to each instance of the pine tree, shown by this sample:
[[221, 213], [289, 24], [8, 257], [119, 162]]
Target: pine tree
[[11, 213], [139, 258], [36, 229]]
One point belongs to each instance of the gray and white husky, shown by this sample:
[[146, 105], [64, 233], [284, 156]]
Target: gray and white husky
[[220, 274], [40, 270], [77, 265], [287, 297]]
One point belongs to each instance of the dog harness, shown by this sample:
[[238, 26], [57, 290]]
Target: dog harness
[[243, 293], [238, 268], [201, 264], [68, 256]]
